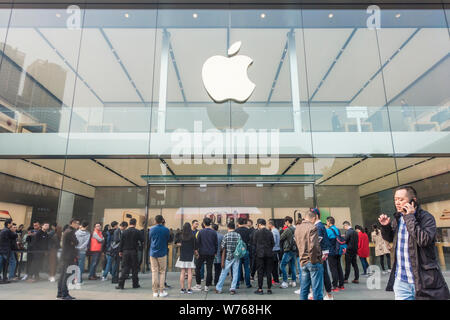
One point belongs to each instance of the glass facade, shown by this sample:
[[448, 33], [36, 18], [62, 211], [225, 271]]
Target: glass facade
[[97, 102]]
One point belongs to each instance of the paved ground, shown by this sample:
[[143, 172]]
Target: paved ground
[[98, 290]]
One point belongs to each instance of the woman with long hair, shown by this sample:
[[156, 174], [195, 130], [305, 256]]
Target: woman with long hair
[[363, 248], [382, 248], [186, 260]]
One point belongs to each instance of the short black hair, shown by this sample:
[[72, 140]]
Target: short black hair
[[250, 220], [84, 224], [195, 220], [231, 225], [207, 221], [124, 224], [346, 222], [133, 222], [358, 227], [272, 222], [412, 193], [159, 219], [331, 220], [72, 221], [261, 221], [114, 223], [215, 226], [8, 222], [242, 221], [289, 219]]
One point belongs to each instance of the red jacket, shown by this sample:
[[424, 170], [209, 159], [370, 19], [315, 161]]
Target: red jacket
[[363, 245]]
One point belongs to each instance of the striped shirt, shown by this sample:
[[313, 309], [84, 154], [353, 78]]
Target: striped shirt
[[403, 271]]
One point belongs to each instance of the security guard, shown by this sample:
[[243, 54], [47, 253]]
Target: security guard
[[128, 250]]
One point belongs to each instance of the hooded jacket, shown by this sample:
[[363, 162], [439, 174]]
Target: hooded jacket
[[428, 279], [83, 237]]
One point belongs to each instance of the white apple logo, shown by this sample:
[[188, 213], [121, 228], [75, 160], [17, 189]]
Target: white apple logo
[[226, 78]]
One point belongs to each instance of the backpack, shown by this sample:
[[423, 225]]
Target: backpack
[[293, 246], [341, 247], [241, 249]]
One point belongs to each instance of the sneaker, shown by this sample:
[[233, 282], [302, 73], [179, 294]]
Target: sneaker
[[155, 294], [297, 291], [249, 286], [326, 297], [232, 292], [206, 289], [166, 286], [389, 270], [310, 296], [68, 297], [197, 287], [218, 292], [259, 292], [269, 291], [189, 291], [104, 279], [335, 290], [163, 294], [51, 279], [183, 291], [25, 277], [284, 285], [293, 284], [355, 281], [342, 288], [345, 281]]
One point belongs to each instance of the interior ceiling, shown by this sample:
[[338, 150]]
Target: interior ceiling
[[339, 61], [82, 176]]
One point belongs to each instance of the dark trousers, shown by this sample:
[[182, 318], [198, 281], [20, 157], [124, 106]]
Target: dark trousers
[[252, 263], [388, 257], [130, 262], [36, 264], [115, 268], [350, 259], [364, 264], [264, 267], [326, 277], [276, 259], [217, 271], [63, 291], [29, 263], [336, 271], [209, 262]]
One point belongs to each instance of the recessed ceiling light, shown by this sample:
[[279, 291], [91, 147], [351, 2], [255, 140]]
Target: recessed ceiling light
[[58, 15], [195, 16], [330, 15], [263, 15], [126, 15], [398, 15]]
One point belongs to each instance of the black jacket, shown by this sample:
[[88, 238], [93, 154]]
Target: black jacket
[[69, 243], [39, 242], [245, 234], [263, 242], [428, 279], [351, 238], [7, 238], [131, 239]]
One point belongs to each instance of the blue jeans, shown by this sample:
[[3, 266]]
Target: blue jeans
[[11, 267], [81, 262], [364, 264], [404, 290], [288, 257], [234, 264], [94, 262], [312, 275], [108, 266], [246, 262]]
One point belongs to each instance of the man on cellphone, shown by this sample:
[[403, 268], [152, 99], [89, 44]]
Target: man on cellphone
[[415, 273]]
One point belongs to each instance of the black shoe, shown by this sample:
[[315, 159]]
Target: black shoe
[[68, 297], [269, 291], [119, 287], [166, 286], [249, 286], [136, 286], [260, 292], [114, 281]]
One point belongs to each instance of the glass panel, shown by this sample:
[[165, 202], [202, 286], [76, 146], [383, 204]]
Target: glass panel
[[114, 88], [414, 48], [37, 79]]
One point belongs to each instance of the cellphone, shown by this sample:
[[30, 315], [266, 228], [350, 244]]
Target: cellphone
[[411, 202]]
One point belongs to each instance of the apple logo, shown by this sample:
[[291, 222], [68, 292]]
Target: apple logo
[[226, 78]]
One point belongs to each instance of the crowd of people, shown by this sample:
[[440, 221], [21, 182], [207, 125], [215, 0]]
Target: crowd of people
[[307, 252]]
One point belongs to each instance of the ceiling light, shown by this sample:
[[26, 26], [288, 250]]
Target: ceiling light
[[126, 15], [58, 15], [330, 15], [398, 15], [263, 15], [203, 186], [195, 16], [259, 185]]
